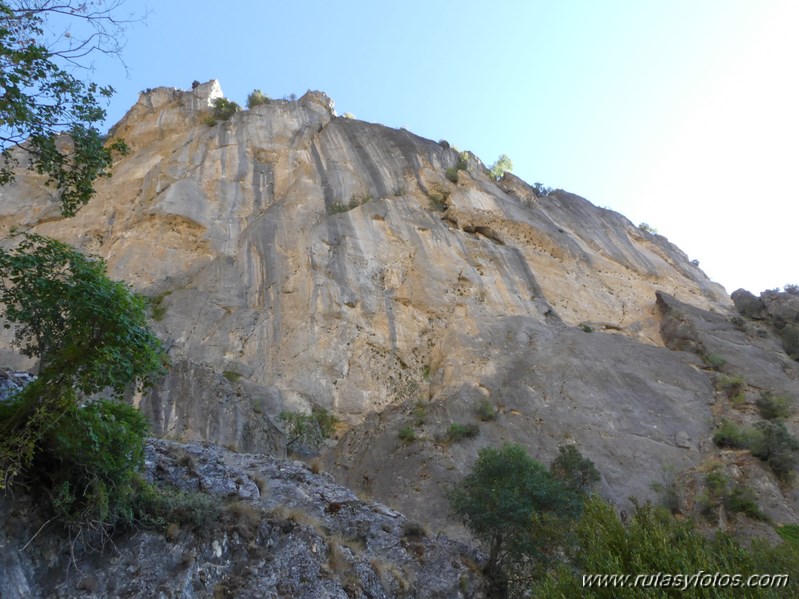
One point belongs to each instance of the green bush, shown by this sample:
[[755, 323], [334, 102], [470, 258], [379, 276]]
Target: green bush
[[90, 462], [715, 361], [157, 307], [406, 434], [768, 441], [257, 98], [231, 376], [500, 166], [653, 541], [158, 507], [742, 499], [573, 470], [735, 436], [461, 165], [733, 496], [419, 414], [459, 432], [731, 385], [308, 430], [646, 228], [775, 406], [485, 411], [541, 190], [223, 109], [790, 341], [777, 447]]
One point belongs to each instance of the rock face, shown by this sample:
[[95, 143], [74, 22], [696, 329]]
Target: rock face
[[283, 532], [298, 259]]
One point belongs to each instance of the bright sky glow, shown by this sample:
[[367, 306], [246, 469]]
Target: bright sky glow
[[682, 114]]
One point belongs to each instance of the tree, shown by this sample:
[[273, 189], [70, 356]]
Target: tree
[[513, 505], [502, 164], [541, 190], [47, 114], [89, 332]]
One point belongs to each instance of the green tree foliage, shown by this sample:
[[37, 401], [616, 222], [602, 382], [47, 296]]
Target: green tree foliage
[[257, 98], [89, 464], [89, 332], [40, 98], [500, 166], [652, 542], [306, 432], [514, 506], [573, 470]]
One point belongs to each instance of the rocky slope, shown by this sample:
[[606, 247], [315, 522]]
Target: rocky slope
[[299, 259], [283, 531]]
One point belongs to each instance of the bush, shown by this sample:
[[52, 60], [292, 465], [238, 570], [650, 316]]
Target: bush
[[768, 441], [731, 385], [257, 98], [777, 447], [461, 165], [308, 430], [419, 414], [459, 432], [573, 470], [733, 496], [775, 406], [485, 411], [90, 462], [791, 288], [514, 506], [224, 109], [157, 508], [406, 434], [790, 341], [734, 436], [541, 190], [500, 166], [648, 229], [654, 541], [715, 361]]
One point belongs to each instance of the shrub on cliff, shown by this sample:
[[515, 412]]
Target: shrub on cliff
[[223, 109], [576, 472], [502, 164], [654, 544], [90, 335], [257, 98]]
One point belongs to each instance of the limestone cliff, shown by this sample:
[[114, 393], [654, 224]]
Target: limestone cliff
[[300, 259]]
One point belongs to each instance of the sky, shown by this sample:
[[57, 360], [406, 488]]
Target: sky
[[683, 114]]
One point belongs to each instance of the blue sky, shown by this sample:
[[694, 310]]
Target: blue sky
[[679, 113]]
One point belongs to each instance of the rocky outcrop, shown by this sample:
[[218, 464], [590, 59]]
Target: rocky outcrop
[[297, 259], [283, 531], [779, 311]]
